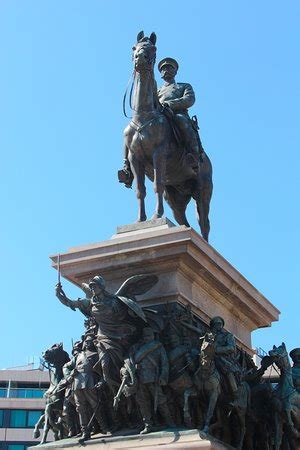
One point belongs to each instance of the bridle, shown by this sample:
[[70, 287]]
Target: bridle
[[131, 81]]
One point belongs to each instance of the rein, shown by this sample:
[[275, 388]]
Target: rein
[[131, 80]]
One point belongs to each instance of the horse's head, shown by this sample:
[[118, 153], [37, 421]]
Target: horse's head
[[207, 350], [280, 356], [144, 52], [56, 355]]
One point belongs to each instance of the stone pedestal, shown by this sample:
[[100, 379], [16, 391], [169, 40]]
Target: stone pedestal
[[190, 272], [168, 440]]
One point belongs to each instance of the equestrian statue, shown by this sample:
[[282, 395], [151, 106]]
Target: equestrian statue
[[162, 141]]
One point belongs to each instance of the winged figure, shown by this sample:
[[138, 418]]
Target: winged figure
[[118, 316]]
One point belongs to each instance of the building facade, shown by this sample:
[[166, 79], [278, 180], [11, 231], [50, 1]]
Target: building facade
[[21, 405]]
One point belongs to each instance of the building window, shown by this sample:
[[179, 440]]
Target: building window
[[22, 418], [1, 417], [3, 392], [15, 447], [7, 445], [26, 393], [18, 418], [32, 418]]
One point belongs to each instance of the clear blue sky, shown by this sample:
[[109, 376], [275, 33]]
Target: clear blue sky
[[64, 68]]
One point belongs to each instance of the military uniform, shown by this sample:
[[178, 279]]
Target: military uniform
[[152, 371], [83, 386], [179, 97], [225, 358]]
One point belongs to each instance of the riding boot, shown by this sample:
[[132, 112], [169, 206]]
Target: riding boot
[[191, 161], [193, 155], [234, 389]]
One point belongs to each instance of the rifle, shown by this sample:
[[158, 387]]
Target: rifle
[[189, 363], [119, 393]]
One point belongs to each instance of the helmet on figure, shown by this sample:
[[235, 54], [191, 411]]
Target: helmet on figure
[[98, 281]]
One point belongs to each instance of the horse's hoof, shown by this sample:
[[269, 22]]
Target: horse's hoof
[[36, 434], [142, 219], [157, 216]]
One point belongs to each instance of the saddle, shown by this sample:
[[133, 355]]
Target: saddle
[[169, 114]]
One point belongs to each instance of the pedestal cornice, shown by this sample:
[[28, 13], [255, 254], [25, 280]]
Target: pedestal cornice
[[190, 271]]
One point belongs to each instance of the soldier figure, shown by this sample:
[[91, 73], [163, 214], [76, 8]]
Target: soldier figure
[[152, 371], [295, 355], [176, 98], [225, 351], [69, 407], [81, 373]]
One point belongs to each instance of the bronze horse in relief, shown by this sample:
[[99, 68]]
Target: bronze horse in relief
[[55, 357], [151, 149], [285, 401], [210, 384]]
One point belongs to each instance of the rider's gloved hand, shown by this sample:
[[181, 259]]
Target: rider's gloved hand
[[167, 110]]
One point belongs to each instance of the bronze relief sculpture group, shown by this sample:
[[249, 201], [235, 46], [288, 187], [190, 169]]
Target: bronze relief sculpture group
[[148, 369]]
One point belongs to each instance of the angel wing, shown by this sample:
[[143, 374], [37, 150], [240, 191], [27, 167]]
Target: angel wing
[[137, 285]]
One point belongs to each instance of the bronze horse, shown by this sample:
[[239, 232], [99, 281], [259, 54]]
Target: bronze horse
[[55, 357], [151, 149], [210, 384], [285, 401]]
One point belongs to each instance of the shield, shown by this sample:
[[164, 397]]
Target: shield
[[133, 306]]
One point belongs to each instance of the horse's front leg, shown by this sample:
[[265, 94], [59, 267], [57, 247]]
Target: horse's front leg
[[46, 428], [278, 430], [159, 166], [138, 170], [213, 397], [36, 431]]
